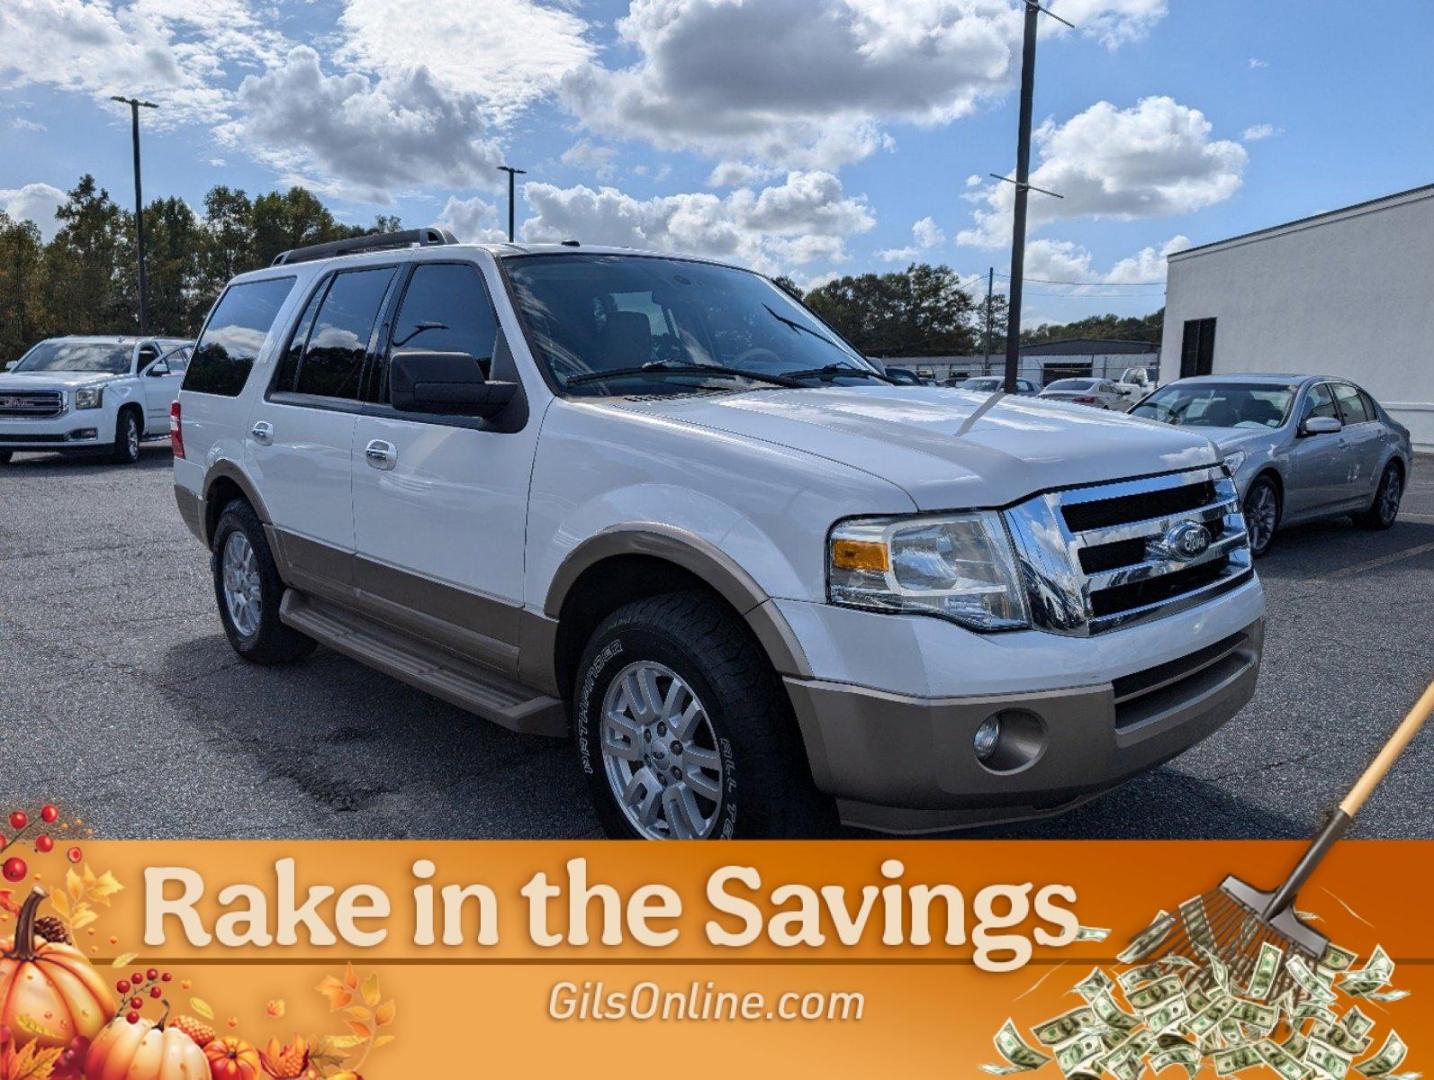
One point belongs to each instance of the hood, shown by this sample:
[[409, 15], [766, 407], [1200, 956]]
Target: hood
[[1233, 438], [51, 380], [947, 448]]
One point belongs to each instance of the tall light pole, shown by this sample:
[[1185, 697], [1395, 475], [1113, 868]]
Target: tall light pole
[[512, 172], [135, 104], [1023, 187]]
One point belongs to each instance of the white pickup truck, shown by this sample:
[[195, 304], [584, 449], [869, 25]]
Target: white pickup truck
[[654, 505], [88, 394]]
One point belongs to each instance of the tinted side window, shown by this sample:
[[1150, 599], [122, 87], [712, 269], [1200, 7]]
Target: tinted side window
[[445, 309], [289, 366], [234, 334], [1320, 403], [332, 364], [1351, 405]]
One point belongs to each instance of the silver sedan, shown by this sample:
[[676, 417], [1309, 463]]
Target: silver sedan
[[1097, 393], [1300, 447]]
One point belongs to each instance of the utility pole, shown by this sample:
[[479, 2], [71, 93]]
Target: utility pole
[[512, 172], [990, 312], [135, 104], [1023, 188]]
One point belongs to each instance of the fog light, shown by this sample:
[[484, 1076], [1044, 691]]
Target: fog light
[[988, 735], [80, 434]]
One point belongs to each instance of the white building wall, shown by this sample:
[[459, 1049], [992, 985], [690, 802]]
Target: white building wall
[[1350, 293]]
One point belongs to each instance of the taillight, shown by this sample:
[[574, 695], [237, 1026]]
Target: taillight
[[176, 430], [1078, 401]]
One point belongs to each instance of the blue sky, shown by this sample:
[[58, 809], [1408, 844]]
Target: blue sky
[[801, 137]]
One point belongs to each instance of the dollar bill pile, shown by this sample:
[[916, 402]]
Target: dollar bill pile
[[1193, 1012]]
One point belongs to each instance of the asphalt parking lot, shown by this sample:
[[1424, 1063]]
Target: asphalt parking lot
[[120, 697]]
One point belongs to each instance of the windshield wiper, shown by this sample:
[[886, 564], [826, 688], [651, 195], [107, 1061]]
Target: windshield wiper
[[660, 368], [838, 370]]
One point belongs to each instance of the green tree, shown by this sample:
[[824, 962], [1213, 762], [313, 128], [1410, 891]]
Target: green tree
[[1102, 327], [919, 311], [226, 245], [173, 241], [82, 285], [20, 312]]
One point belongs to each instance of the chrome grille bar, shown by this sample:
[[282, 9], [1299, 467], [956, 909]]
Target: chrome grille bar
[[31, 403], [1133, 558]]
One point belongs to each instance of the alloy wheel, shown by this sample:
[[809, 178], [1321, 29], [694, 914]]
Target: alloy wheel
[[660, 754], [131, 439], [243, 597], [1261, 516]]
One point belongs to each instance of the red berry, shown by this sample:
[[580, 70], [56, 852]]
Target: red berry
[[166, 977], [122, 986], [155, 992], [136, 1003], [152, 974], [19, 819], [132, 1017], [74, 854], [49, 813], [14, 869], [44, 845], [137, 978]]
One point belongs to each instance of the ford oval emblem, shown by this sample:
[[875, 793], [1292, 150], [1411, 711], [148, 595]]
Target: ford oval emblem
[[1185, 541]]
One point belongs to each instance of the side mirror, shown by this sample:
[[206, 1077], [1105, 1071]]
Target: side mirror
[[445, 383], [1320, 425]]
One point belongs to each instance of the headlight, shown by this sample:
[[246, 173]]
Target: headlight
[[89, 397], [1234, 459], [957, 566]]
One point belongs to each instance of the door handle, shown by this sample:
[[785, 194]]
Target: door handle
[[380, 454], [263, 432]]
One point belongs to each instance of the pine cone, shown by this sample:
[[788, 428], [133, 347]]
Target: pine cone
[[52, 929]]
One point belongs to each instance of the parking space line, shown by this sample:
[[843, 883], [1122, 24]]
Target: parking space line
[[1383, 560]]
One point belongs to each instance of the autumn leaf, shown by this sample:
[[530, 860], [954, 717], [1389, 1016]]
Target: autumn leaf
[[123, 960], [351, 979], [383, 1040], [74, 885], [384, 1014], [7, 902], [32, 1062], [61, 903], [363, 1031], [371, 993], [340, 1043], [337, 993], [359, 1013], [276, 1008], [202, 1007]]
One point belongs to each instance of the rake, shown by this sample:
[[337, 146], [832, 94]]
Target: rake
[[1232, 922]]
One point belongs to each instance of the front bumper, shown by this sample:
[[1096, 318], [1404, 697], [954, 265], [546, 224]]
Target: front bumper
[[73, 429], [904, 764]]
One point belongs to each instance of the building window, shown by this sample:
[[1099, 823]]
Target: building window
[[1197, 349]]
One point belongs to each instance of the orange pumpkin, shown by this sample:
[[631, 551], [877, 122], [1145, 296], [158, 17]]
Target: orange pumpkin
[[144, 1051], [49, 993], [232, 1058]]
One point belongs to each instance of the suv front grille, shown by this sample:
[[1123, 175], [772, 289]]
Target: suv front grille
[[1094, 558], [31, 403]]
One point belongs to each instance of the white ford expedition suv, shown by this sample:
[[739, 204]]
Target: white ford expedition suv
[[88, 394], [654, 505]]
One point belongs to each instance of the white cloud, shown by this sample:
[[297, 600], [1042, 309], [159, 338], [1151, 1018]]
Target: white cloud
[[1256, 63], [504, 53], [975, 180], [361, 138], [20, 123], [1257, 132], [1065, 262], [927, 233], [584, 154], [804, 219], [36, 202], [1156, 159], [732, 173], [898, 255], [171, 51], [808, 84], [1112, 22], [473, 221]]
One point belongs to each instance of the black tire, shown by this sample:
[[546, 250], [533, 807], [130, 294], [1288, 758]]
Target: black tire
[[1262, 535], [271, 642], [765, 783], [127, 432], [1384, 510]]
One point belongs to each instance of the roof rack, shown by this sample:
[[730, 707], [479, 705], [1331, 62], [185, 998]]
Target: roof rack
[[427, 236]]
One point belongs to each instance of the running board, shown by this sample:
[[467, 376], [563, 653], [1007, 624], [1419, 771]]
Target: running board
[[435, 671]]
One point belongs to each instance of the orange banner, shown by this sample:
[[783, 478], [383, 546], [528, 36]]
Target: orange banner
[[422, 958]]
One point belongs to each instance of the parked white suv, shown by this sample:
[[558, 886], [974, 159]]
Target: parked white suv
[[82, 394], [655, 505]]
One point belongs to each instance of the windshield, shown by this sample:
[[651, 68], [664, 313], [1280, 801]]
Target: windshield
[[1071, 384], [87, 356], [1219, 405], [636, 324]]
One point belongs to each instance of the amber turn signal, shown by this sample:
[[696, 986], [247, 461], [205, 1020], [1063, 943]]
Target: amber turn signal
[[860, 555]]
